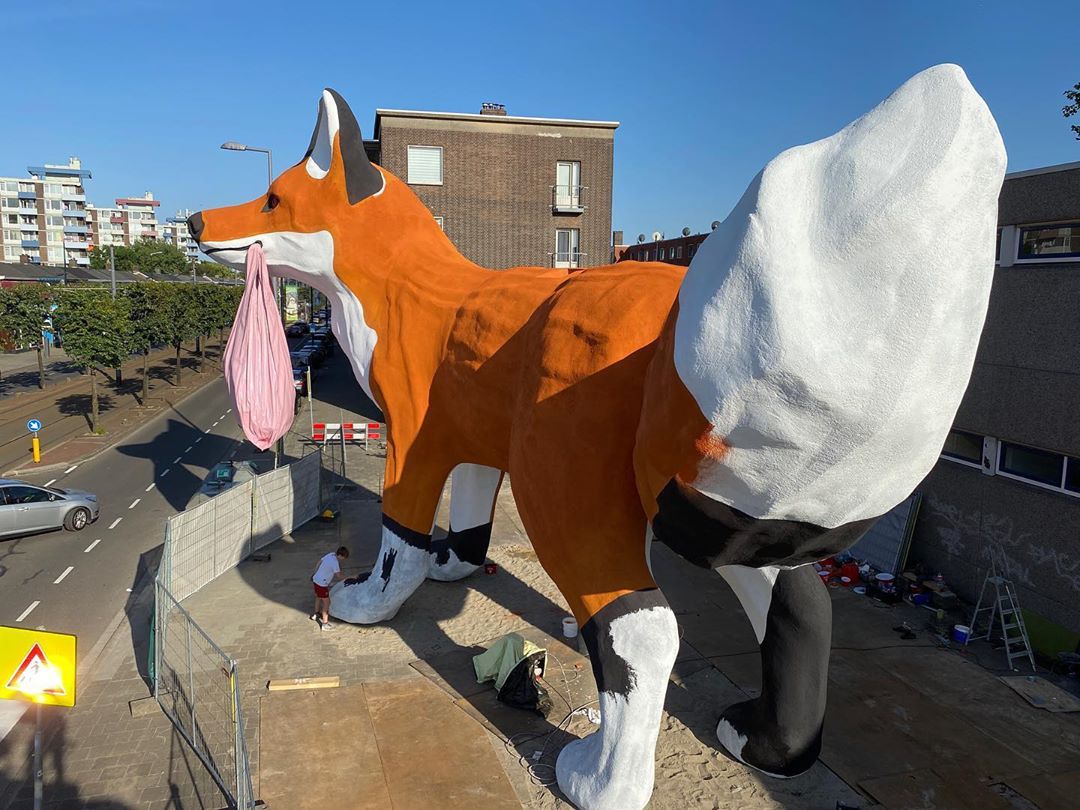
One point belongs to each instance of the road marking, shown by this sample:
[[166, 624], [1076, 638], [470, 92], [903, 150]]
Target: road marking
[[188, 449], [209, 428], [198, 440], [90, 547], [213, 425], [60, 578], [166, 471], [70, 469], [50, 483], [113, 524], [26, 612], [134, 503], [152, 485], [229, 411], [223, 415], [177, 459]]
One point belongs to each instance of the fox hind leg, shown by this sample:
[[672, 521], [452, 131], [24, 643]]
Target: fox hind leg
[[779, 732], [473, 490]]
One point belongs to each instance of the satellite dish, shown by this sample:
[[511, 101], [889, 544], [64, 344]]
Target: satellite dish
[[657, 236], [685, 231], [715, 225], [640, 238]]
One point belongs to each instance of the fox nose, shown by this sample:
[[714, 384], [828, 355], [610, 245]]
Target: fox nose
[[195, 225]]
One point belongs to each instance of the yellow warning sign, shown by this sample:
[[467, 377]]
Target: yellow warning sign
[[37, 666]]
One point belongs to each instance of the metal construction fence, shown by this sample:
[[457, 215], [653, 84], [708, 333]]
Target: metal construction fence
[[195, 681]]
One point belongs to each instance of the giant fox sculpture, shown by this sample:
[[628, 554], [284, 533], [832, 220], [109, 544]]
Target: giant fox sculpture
[[756, 411]]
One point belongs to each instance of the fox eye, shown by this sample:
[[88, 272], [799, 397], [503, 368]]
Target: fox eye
[[271, 202]]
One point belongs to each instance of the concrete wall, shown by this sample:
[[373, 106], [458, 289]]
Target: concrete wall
[[497, 176], [1025, 388]]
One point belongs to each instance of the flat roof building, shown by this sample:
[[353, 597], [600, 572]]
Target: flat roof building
[[508, 190], [1008, 483], [44, 215]]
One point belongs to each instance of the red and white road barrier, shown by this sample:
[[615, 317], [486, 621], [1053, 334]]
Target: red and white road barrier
[[355, 432]]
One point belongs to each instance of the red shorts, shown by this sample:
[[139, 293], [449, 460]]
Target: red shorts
[[321, 591]]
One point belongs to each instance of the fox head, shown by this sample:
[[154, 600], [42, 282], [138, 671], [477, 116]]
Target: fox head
[[336, 222]]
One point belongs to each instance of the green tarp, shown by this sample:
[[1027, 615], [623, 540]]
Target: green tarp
[[501, 657]]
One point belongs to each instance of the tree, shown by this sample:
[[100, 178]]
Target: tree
[[1072, 109], [149, 309], [97, 332], [23, 310], [215, 270], [180, 323], [145, 256]]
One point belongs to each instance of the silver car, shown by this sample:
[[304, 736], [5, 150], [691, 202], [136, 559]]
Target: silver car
[[25, 508]]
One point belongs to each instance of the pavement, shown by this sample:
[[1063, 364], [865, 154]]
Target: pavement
[[911, 724], [19, 370]]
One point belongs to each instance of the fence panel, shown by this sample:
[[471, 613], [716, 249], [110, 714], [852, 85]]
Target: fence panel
[[232, 527], [284, 499], [197, 687]]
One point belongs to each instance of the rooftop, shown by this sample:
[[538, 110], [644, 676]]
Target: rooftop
[[489, 118], [1060, 167]]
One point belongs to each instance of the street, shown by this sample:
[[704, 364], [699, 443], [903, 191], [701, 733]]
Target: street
[[76, 582]]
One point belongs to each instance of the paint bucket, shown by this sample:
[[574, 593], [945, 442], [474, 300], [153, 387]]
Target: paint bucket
[[960, 633], [569, 627], [860, 590]]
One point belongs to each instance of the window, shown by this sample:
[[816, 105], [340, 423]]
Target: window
[[568, 184], [964, 447], [426, 165], [1049, 242], [54, 220], [26, 186], [9, 186], [439, 221], [11, 219], [21, 494], [678, 252], [690, 253], [12, 236], [54, 205], [10, 202], [1043, 468], [567, 253], [12, 251], [52, 189], [663, 253], [55, 237]]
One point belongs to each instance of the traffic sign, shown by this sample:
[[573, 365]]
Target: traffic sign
[[33, 425], [37, 666]]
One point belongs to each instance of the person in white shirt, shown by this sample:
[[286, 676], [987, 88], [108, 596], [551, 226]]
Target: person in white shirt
[[329, 571]]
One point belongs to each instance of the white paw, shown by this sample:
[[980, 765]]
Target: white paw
[[453, 569], [399, 570]]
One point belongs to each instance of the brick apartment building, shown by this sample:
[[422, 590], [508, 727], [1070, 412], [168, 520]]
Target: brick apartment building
[[679, 250], [508, 190], [44, 215], [1009, 478]]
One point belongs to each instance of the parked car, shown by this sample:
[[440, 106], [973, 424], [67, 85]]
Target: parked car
[[325, 341], [297, 329], [26, 508], [224, 476], [299, 378]]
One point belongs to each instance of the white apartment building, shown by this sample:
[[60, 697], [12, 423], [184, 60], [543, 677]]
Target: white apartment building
[[132, 219], [175, 232], [43, 216]]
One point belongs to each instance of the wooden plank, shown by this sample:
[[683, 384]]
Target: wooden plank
[[317, 751], [926, 790], [295, 684], [1041, 694], [434, 755], [1049, 791]]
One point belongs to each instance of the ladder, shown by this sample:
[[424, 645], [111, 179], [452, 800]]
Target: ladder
[[1006, 606]]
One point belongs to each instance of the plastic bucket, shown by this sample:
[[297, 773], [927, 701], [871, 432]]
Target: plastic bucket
[[960, 633], [569, 627]]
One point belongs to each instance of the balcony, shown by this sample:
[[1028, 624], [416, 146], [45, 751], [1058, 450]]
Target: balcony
[[28, 226], [82, 261], [76, 229], [31, 243], [116, 220], [76, 245], [73, 197], [27, 195], [568, 260], [28, 211], [74, 212], [568, 199]]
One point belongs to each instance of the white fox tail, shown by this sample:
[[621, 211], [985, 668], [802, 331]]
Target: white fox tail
[[827, 329]]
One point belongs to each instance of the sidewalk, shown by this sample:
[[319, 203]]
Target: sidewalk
[[63, 408], [909, 725]]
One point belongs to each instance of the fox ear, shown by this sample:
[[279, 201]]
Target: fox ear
[[336, 119]]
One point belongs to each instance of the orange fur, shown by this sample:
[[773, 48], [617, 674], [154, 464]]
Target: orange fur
[[566, 381]]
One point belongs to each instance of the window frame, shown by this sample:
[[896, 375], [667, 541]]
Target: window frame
[[574, 252], [408, 165], [960, 459], [1063, 258], [1059, 488]]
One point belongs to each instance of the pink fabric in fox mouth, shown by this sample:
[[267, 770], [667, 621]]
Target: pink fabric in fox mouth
[[258, 370]]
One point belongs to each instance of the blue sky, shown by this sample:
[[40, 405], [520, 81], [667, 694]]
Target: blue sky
[[706, 92]]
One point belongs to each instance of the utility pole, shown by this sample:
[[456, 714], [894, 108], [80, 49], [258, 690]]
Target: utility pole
[[112, 269]]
